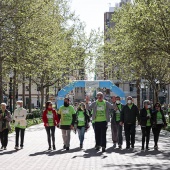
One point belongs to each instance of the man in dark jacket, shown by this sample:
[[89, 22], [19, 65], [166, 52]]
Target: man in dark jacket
[[128, 117]]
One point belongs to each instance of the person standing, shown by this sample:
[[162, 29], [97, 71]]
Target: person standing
[[116, 128], [50, 120], [67, 118], [129, 115], [20, 124], [159, 122], [82, 119], [146, 123], [5, 119], [101, 117]]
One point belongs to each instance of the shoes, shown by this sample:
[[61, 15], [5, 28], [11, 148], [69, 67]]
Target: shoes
[[147, 148], [103, 149], [16, 147], [64, 147], [5, 148], [21, 147], [81, 146], [49, 148], [142, 149], [114, 145], [127, 147], [97, 148], [67, 148], [132, 146], [54, 148], [120, 146], [156, 147], [2, 147]]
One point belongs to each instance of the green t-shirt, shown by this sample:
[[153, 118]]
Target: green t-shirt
[[118, 112], [101, 111], [50, 118], [130, 105], [148, 123], [81, 118], [66, 115], [159, 118]]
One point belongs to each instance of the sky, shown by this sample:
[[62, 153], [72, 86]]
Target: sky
[[92, 11]]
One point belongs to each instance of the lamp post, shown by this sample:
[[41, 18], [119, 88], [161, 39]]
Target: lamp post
[[11, 74]]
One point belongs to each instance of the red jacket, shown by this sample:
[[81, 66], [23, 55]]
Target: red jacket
[[55, 117]]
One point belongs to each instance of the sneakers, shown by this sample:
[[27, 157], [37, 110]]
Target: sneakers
[[49, 148], [114, 145], [103, 149], [97, 148], [54, 148], [16, 147]]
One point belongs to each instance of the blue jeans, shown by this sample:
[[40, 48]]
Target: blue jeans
[[81, 132]]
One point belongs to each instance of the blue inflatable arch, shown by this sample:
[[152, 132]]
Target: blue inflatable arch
[[83, 83]]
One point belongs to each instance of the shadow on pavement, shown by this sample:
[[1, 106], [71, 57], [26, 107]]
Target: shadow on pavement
[[120, 151], [8, 152], [92, 153], [52, 152], [138, 166]]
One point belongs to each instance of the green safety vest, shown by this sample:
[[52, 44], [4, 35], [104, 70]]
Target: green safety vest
[[159, 118], [118, 113], [66, 115], [50, 118], [101, 111], [81, 118]]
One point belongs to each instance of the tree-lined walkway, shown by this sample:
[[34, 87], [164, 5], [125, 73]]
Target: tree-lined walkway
[[35, 155]]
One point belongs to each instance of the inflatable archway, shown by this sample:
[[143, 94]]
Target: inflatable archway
[[83, 83]]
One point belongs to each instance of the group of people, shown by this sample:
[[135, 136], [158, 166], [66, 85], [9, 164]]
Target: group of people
[[100, 111]]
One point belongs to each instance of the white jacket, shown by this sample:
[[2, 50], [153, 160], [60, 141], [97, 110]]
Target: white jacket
[[20, 116]]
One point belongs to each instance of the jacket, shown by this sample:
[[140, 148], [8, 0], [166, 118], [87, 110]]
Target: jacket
[[113, 116], [144, 118], [93, 107], [5, 122], [20, 115], [129, 116], [154, 118], [55, 117]]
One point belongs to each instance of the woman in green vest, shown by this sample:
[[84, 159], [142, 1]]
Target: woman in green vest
[[82, 122], [159, 122]]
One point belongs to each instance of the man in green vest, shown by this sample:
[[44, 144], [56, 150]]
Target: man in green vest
[[101, 117], [67, 118]]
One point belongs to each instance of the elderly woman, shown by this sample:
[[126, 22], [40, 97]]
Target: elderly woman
[[146, 123], [159, 122], [5, 119]]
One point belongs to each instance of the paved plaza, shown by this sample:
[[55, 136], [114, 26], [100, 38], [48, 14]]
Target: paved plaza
[[35, 156]]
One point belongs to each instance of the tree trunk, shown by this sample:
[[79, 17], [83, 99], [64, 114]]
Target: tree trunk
[[30, 101], [1, 82], [14, 89], [42, 97], [138, 93], [23, 90], [47, 93]]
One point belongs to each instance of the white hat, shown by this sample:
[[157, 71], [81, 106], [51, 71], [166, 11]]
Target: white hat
[[3, 104]]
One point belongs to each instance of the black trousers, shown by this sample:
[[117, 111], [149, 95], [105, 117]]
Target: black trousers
[[21, 132], [100, 133], [50, 133], [130, 131], [4, 137], [156, 131], [145, 135]]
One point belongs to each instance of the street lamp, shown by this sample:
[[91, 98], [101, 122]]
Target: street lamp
[[11, 74]]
